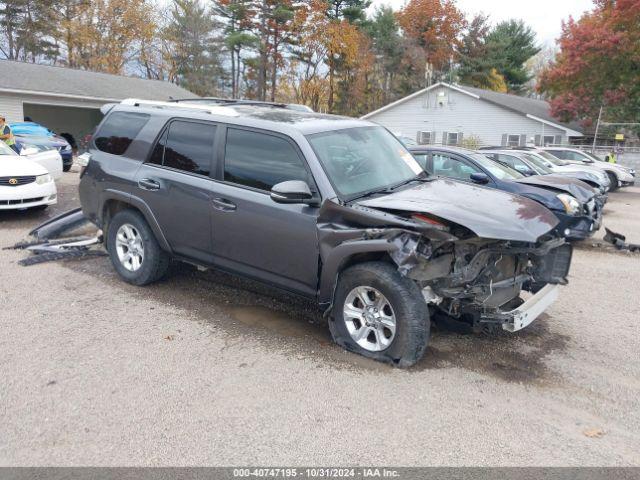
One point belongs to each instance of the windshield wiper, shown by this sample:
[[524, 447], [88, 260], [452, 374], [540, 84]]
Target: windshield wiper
[[421, 177]]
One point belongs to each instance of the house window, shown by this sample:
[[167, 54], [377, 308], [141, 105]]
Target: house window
[[548, 140], [513, 140], [424, 138], [453, 138]]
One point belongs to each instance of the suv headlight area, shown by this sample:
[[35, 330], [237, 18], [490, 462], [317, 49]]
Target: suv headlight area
[[571, 205], [42, 179]]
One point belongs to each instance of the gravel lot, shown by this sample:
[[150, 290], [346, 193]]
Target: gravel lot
[[206, 369]]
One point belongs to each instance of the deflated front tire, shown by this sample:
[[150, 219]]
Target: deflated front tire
[[380, 314]]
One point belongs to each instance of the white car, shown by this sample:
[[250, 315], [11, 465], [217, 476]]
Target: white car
[[619, 175], [25, 183]]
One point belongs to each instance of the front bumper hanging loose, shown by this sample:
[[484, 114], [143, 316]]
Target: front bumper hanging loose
[[526, 313]]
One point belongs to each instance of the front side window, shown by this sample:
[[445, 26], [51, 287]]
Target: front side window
[[259, 160], [186, 146], [363, 159], [119, 130], [496, 169], [447, 166]]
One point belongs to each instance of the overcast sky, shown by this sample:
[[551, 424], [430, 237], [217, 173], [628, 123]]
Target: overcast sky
[[544, 16]]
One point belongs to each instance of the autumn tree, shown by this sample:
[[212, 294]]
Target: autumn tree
[[432, 31], [510, 44], [598, 65], [344, 15]]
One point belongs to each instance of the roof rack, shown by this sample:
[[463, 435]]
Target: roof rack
[[212, 109], [230, 101]]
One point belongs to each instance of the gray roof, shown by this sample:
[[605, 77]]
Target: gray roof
[[67, 81], [524, 105]]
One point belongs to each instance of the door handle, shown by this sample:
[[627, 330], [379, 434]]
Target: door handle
[[223, 204], [148, 184]]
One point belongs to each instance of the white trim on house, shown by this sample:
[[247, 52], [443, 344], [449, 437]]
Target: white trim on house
[[59, 95], [570, 132], [418, 93]]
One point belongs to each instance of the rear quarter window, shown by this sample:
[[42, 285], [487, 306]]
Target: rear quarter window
[[119, 130]]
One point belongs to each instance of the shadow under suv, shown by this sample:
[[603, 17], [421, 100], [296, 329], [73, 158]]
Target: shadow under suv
[[327, 207]]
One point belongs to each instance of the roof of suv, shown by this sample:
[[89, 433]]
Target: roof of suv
[[265, 116]]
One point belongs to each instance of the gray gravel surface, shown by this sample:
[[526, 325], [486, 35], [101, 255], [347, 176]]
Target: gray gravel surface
[[207, 369]]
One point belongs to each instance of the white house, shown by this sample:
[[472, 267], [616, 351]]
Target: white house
[[67, 100], [446, 114]]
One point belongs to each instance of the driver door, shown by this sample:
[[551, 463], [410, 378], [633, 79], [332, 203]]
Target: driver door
[[252, 234]]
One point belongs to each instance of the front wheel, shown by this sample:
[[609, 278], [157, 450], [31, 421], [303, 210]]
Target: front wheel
[[380, 314], [134, 250]]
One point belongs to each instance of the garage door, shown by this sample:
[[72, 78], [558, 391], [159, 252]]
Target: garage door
[[76, 121]]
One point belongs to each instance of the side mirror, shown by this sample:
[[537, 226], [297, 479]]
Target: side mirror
[[291, 191], [28, 151], [480, 178]]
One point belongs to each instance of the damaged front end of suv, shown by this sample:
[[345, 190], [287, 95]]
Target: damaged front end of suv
[[473, 259]]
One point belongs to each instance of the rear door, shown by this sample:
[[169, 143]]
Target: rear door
[[252, 234], [175, 182]]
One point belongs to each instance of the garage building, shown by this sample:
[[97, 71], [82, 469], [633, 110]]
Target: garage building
[[66, 100]]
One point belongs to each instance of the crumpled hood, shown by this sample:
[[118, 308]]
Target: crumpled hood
[[488, 213], [572, 186]]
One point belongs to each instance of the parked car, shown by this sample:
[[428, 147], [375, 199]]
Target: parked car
[[529, 164], [563, 167], [30, 134], [24, 183], [330, 208], [573, 202], [619, 175]]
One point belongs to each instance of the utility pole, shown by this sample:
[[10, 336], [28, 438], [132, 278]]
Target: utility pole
[[595, 136]]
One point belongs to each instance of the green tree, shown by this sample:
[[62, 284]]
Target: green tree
[[510, 44], [384, 31], [26, 30], [192, 30]]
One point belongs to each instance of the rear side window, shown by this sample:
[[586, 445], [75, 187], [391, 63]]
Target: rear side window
[[186, 146], [119, 130], [261, 161]]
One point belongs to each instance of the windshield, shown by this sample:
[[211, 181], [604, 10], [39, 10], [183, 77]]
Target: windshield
[[593, 157], [496, 169], [551, 158], [537, 163], [364, 159], [6, 149]]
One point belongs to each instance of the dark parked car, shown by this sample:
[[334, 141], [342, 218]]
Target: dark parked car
[[330, 208], [30, 134], [574, 203]]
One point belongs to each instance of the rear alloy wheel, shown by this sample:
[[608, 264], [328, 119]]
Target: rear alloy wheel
[[134, 250], [129, 247], [380, 314]]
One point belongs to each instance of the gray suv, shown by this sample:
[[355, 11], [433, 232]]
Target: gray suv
[[331, 208]]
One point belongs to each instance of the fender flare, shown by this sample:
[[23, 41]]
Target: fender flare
[[140, 205], [338, 257]]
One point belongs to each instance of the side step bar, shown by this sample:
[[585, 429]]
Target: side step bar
[[59, 224]]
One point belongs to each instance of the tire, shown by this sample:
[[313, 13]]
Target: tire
[[614, 181], [152, 263], [411, 313]]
